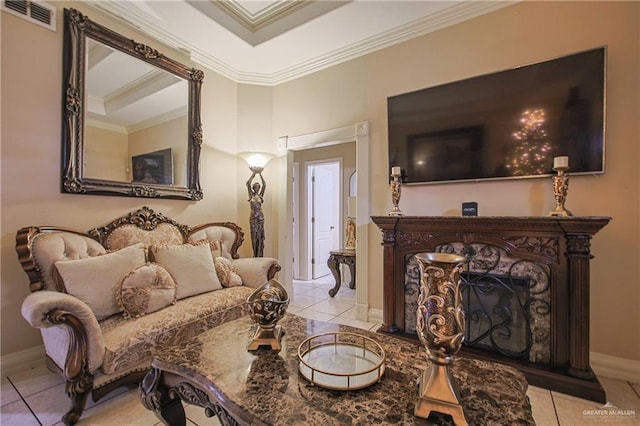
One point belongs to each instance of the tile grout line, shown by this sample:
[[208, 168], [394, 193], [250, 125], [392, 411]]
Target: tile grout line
[[633, 389], [24, 401], [555, 409]]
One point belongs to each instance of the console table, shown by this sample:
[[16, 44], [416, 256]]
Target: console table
[[337, 257], [264, 387], [557, 246]]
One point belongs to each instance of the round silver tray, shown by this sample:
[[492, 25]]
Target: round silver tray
[[341, 360]]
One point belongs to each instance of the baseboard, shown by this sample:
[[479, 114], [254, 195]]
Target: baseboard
[[615, 367], [375, 315], [22, 360]]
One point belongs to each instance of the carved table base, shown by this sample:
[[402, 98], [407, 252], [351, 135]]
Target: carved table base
[[347, 257], [165, 401]]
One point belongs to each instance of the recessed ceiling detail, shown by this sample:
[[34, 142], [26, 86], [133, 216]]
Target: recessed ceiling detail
[[271, 42], [258, 21]]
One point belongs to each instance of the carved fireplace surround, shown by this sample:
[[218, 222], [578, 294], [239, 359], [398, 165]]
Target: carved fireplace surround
[[550, 254]]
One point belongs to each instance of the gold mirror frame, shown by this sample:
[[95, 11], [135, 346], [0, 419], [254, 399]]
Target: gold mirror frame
[[77, 28]]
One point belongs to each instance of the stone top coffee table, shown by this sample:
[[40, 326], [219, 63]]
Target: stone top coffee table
[[215, 371]]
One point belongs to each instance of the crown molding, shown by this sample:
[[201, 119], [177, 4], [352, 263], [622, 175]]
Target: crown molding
[[453, 15]]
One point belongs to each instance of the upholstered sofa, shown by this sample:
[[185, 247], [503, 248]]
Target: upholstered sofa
[[105, 300]]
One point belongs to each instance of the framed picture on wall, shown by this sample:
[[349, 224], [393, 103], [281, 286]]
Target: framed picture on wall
[[153, 167]]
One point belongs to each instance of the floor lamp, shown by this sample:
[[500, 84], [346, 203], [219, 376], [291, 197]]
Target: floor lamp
[[256, 186]]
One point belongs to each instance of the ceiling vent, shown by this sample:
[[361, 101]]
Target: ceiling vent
[[35, 11]]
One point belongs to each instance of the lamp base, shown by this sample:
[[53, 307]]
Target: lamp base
[[267, 337]]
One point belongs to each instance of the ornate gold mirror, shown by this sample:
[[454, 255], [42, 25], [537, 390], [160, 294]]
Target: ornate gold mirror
[[131, 117]]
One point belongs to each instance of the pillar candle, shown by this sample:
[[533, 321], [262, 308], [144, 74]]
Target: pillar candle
[[396, 170], [560, 162]]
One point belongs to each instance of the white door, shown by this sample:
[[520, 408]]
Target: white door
[[325, 216]]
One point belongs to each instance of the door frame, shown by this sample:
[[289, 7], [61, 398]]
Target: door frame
[[358, 132], [295, 221]]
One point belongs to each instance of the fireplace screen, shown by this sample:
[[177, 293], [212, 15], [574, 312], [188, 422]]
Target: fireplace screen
[[497, 313], [506, 301]]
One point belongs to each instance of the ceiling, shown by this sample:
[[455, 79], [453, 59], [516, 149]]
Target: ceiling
[[270, 42]]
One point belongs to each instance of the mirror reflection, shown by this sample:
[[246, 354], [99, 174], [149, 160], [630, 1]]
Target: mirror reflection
[[136, 120], [131, 117]]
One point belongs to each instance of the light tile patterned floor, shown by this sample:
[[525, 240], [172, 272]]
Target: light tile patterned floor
[[36, 396]]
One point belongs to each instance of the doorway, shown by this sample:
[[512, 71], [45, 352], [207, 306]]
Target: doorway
[[358, 132], [324, 193]]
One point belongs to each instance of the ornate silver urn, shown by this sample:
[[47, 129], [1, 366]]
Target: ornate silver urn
[[268, 305], [440, 326]]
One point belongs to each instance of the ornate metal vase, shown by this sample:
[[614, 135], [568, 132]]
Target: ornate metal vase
[[440, 328], [268, 305]]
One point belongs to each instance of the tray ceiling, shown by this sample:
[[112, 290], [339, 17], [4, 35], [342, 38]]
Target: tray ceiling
[[270, 42]]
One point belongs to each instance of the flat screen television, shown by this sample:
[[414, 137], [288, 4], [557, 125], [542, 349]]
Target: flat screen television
[[153, 167], [510, 124]]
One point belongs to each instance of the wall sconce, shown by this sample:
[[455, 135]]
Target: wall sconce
[[255, 189]]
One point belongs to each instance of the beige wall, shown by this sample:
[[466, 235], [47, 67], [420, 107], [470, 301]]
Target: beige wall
[[524, 33], [30, 130], [254, 111], [351, 92], [106, 154], [169, 134]]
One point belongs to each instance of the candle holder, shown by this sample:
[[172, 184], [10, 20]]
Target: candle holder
[[395, 194], [560, 189]]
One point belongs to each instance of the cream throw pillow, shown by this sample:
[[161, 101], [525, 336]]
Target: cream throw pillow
[[146, 289], [190, 265], [227, 272], [95, 280]]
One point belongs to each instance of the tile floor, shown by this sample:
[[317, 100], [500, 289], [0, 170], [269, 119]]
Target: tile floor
[[36, 396]]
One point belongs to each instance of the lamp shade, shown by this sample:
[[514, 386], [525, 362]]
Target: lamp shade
[[256, 159]]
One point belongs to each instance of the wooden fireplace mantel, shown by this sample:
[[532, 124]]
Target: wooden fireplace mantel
[[562, 243]]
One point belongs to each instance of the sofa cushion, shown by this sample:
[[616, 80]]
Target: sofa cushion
[[190, 265], [221, 234], [95, 280], [146, 289], [226, 272], [129, 342], [50, 247]]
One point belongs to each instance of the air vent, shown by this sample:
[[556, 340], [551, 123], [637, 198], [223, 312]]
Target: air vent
[[35, 11]]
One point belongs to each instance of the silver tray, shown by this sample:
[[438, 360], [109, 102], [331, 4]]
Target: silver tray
[[341, 360]]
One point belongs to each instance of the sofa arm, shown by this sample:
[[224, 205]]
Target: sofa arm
[[84, 345], [256, 271]]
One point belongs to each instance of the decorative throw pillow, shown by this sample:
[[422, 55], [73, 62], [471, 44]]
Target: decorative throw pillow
[[95, 280], [227, 272], [190, 265], [216, 248], [146, 289]]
